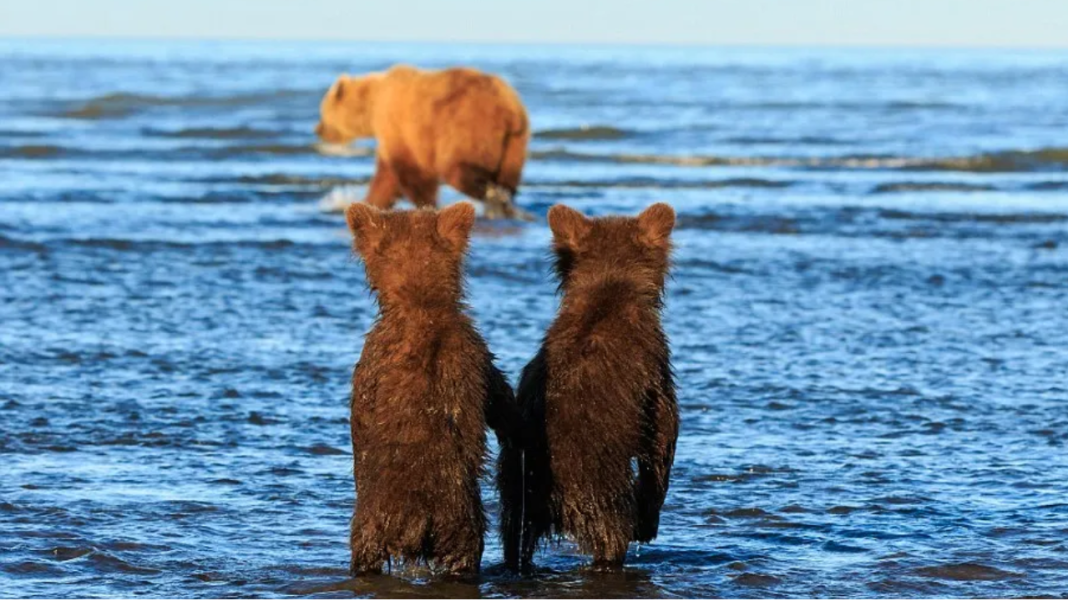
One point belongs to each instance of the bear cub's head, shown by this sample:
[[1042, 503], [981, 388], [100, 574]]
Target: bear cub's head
[[631, 250], [413, 258], [345, 112]]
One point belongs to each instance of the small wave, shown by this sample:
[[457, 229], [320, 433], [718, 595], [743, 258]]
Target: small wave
[[930, 187], [105, 562], [651, 182], [769, 224], [283, 179], [966, 571], [853, 162], [128, 245], [836, 547], [213, 133], [585, 132], [1050, 186], [749, 512], [323, 449], [32, 151], [893, 105], [920, 104], [270, 149], [997, 218], [67, 553], [16, 244], [238, 150], [50, 151], [122, 104], [1047, 159], [755, 580], [806, 140], [16, 133], [35, 568]]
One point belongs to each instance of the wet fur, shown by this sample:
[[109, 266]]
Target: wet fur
[[423, 392], [598, 396], [461, 126]]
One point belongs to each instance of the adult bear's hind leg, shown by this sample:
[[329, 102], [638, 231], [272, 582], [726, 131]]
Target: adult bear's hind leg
[[477, 183]]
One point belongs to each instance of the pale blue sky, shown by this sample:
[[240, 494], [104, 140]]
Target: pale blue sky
[[980, 23]]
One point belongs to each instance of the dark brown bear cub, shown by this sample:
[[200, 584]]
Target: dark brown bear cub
[[598, 398], [423, 392]]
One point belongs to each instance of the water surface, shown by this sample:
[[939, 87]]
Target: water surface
[[868, 314]]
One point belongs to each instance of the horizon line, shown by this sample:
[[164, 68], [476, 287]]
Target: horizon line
[[559, 43]]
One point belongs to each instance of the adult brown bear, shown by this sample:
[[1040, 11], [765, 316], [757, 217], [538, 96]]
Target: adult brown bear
[[461, 126]]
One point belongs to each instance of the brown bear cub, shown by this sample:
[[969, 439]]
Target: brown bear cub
[[423, 392], [460, 126], [599, 396]]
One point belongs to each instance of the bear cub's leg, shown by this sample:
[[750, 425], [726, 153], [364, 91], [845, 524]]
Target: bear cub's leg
[[464, 553], [368, 554]]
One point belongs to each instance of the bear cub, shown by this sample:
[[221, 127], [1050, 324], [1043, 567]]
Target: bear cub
[[598, 400], [423, 392]]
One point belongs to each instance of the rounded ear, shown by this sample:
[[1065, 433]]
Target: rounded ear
[[339, 89], [569, 226], [365, 223], [455, 223], [655, 224]]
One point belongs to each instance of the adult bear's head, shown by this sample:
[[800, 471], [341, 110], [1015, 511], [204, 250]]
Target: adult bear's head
[[345, 112]]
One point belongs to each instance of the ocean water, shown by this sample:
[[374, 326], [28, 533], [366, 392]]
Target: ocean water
[[869, 314]]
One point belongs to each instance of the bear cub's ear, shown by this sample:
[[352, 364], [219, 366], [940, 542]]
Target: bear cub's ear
[[365, 223], [569, 227], [455, 223], [655, 224]]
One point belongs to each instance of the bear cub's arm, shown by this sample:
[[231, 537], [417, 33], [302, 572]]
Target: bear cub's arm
[[661, 429], [502, 412]]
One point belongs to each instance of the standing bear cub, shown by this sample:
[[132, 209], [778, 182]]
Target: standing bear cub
[[460, 126], [423, 392], [598, 397]]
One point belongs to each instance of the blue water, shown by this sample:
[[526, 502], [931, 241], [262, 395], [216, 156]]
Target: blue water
[[868, 314]]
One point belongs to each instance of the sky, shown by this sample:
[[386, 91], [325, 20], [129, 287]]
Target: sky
[[894, 23]]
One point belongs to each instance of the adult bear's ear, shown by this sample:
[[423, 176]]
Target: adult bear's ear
[[366, 225], [340, 87], [455, 223], [569, 227], [655, 224]]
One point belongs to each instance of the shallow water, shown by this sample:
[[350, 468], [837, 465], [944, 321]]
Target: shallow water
[[867, 314]]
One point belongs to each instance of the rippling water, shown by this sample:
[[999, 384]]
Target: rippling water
[[868, 314]]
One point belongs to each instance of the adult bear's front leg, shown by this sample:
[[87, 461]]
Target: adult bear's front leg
[[420, 187], [384, 189]]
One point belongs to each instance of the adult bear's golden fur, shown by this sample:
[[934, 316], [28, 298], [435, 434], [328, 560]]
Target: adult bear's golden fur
[[461, 126]]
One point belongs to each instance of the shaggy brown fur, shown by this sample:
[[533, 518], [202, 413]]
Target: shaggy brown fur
[[599, 395], [423, 392], [460, 126]]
